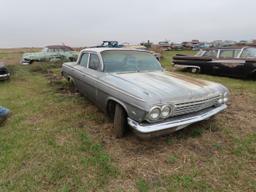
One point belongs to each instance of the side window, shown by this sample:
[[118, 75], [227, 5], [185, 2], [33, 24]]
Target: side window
[[211, 53], [236, 52], [200, 53], [94, 62], [226, 53], [84, 60]]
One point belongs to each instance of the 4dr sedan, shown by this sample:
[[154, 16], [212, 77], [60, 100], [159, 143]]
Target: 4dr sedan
[[132, 88]]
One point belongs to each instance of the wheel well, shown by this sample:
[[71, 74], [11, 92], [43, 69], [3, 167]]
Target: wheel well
[[68, 78], [254, 74], [251, 75], [111, 108]]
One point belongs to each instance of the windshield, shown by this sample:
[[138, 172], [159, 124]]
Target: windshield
[[129, 61]]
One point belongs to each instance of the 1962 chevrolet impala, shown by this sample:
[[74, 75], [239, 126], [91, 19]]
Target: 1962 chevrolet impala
[[131, 86]]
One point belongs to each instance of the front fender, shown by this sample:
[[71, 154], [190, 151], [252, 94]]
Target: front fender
[[132, 111]]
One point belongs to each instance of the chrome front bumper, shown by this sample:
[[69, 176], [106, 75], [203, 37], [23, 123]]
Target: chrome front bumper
[[173, 124], [5, 76]]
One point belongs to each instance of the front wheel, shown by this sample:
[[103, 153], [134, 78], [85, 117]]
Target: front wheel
[[120, 121], [194, 70]]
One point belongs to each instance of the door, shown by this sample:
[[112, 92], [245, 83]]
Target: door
[[93, 72], [228, 64], [80, 70], [89, 69]]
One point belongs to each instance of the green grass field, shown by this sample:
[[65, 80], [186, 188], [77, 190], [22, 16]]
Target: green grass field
[[56, 140]]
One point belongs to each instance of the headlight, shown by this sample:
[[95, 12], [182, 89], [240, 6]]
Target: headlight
[[225, 97], [158, 112], [165, 111], [220, 101], [154, 113]]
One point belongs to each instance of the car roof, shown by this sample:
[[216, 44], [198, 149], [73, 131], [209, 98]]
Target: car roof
[[101, 49], [230, 47], [59, 47]]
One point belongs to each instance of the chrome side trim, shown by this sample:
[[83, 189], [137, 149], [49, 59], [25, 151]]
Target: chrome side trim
[[177, 123], [186, 66], [5, 75]]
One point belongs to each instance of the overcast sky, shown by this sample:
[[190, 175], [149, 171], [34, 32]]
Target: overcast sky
[[26, 23]]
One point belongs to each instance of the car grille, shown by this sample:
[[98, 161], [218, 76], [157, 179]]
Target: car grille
[[194, 106]]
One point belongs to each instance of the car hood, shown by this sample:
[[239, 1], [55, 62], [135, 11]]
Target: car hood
[[162, 87]]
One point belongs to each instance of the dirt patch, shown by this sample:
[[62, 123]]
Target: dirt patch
[[34, 120]]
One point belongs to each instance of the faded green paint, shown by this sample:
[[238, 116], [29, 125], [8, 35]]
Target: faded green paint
[[49, 55]]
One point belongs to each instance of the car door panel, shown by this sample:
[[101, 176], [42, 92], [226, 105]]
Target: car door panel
[[228, 67], [88, 79], [88, 82], [78, 72]]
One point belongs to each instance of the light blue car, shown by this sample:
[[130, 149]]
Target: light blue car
[[50, 53]]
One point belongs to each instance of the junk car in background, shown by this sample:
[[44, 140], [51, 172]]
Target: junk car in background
[[233, 62], [4, 113], [51, 53], [132, 88], [110, 44], [4, 72], [115, 44], [141, 47]]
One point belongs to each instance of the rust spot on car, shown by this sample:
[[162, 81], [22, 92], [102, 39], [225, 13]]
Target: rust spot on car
[[194, 81]]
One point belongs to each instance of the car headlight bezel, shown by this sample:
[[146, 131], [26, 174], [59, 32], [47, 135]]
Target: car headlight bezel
[[225, 97], [164, 112], [153, 110]]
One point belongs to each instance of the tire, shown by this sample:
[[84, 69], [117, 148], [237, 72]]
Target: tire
[[72, 85], [120, 122], [194, 70]]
